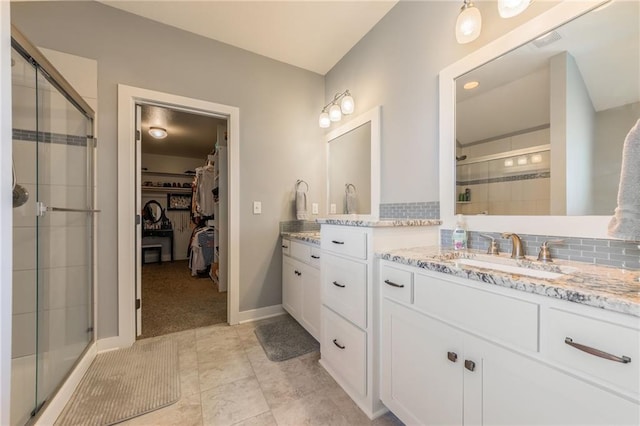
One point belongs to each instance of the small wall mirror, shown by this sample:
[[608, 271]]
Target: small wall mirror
[[353, 166], [152, 212]]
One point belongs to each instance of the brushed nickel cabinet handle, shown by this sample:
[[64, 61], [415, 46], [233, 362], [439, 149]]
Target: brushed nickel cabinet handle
[[337, 284], [337, 242], [452, 356], [335, 342], [592, 351], [469, 365], [392, 284]]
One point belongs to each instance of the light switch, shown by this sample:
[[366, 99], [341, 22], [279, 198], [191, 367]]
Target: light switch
[[332, 209], [257, 207], [314, 208]]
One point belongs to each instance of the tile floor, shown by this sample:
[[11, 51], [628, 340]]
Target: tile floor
[[226, 379]]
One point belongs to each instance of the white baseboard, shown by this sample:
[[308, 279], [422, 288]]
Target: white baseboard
[[260, 313], [55, 406], [111, 343]]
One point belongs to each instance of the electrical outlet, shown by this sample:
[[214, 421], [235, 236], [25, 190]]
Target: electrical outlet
[[257, 207], [332, 209], [314, 208]]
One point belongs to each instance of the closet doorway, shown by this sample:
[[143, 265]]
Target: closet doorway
[[181, 167]]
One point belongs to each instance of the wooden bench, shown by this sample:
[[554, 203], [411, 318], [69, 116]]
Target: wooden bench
[[152, 247]]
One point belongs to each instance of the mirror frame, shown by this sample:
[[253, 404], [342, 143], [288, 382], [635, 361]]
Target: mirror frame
[[151, 202], [373, 116], [568, 226]]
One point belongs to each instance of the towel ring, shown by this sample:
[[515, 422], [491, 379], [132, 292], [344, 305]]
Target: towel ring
[[349, 186], [299, 181]]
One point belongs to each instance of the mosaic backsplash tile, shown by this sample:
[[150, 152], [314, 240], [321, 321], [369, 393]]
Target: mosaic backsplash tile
[[422, 210], [299, 226]]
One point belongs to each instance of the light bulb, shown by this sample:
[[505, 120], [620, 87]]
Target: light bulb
[[158, 132], [468, 24], [347, 105], [510, 8], [335, 114], [324, 120]]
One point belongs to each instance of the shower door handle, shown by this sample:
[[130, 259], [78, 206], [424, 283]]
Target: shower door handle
[[42, 208]]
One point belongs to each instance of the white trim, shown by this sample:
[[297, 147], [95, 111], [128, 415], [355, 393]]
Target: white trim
[[373, 116], [55, 406], [260, 313], [127, 98], [111, 343], [569, 226]]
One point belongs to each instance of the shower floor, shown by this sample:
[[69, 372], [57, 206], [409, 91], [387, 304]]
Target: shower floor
[[173, 300]]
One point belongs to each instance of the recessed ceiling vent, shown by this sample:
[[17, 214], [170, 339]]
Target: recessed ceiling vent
[[546, 39]]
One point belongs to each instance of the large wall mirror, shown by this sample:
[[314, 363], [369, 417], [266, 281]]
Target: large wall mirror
[[353, 167], [542, 133]]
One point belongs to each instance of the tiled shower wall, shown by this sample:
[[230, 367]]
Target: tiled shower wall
[[616, 253]]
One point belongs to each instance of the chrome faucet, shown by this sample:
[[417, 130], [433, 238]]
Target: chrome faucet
[[517, 251]]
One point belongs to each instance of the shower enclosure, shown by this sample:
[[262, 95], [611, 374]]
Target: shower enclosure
[[53, 230]]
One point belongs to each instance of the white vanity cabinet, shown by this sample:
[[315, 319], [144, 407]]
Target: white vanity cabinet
[[349, 343], [301, 283], [450, 355]]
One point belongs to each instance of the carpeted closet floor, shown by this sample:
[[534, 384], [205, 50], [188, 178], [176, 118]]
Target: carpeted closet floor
[[173, 300]]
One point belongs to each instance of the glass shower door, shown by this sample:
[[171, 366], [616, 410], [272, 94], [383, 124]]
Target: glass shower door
[[65, 188]]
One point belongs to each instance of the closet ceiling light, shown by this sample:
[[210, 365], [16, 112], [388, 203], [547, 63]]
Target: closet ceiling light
[[342, 103], [471, 85], [510, 8], [469, 23], [158, 132]]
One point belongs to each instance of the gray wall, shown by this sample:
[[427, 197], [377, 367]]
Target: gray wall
[[279, 106], [396, 65]]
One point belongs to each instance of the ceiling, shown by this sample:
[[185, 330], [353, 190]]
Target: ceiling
[[309, 34]]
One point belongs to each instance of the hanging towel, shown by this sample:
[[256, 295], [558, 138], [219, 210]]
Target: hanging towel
[[625, 223], [301, 200], [351, 198]]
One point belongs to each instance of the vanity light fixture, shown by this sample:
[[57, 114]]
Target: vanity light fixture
[[536, 158], [334, 111], [522, 161], [508, 162], [471, 85], [469, 23], [158, 132], [511, 8]]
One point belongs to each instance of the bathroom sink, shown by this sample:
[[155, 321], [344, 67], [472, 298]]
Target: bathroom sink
[[504, 266]]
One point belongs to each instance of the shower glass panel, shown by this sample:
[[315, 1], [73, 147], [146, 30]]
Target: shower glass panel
[[53, 152]]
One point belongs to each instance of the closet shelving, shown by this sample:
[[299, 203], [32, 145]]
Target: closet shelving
[[166, 189]]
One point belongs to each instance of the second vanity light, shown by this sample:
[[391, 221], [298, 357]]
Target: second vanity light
[[333, 111]]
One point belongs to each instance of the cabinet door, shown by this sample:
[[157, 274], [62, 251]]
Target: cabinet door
[[292, 286], [311, 302], [517, 390], [422, 373]]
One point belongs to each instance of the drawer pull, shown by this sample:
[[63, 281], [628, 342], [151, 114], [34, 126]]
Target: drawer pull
[[337, 242], [335, 342], [392, 284], [298, 273], [592, 351], [315, 257], [337, 284], [452, 356], [283, 246], [469, 365]]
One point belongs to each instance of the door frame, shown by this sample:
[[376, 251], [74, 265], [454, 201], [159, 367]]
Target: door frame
[[128, 97]]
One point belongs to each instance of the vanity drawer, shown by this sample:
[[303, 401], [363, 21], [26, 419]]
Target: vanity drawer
[[286, 246], [513, 321], [300, 251], [603, 336], [345, 241], [344, 288], [344, 349], [314, 256], [396, 283]]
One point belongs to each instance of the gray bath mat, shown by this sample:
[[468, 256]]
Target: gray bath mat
[[125, 383], [285, 338]]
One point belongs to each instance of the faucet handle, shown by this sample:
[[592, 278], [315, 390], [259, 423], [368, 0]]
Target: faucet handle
[[493, 245], [545, 254]]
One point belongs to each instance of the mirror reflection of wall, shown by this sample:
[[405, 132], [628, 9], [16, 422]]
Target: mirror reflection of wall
[[350, 171], [543, 132]]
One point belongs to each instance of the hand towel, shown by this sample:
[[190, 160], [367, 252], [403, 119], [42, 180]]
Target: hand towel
[[625, 223], [301, 200], [351, 198]]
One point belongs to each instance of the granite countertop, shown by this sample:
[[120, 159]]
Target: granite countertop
[[602, 287], [368, 222], [312, 237]]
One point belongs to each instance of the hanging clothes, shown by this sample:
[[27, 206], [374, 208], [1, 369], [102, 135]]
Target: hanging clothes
[[201, 249], [205, 184]]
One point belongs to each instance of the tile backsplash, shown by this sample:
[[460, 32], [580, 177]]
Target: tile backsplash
[[299, 226], [422, 210], [616, 253]]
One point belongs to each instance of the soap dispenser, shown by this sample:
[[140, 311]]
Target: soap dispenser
[[460, 234]]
